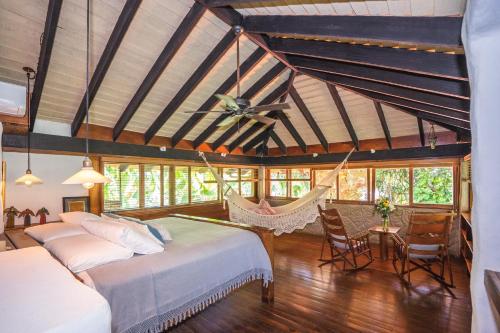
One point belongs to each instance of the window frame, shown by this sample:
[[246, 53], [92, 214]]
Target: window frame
[[254, 180], [288, 179], [371, 174], [170, 165]]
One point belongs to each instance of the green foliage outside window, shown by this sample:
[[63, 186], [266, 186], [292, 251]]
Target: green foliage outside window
[[152, 185], [181, 185], [433, 185], [203, 185], [393, 184], [353, 184]]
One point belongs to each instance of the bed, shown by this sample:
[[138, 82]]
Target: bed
[[37, 294], [206, 260]]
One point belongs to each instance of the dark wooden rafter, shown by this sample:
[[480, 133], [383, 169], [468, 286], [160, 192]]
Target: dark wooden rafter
[[263, 82], [343, 113], [212, 101], [222, 3], [114, 41], [262, 136], [452, 66], [168, 53], [439, 31], [421, 131], [383, 123], [452, 103], [275, 137], [263, 149], [447, 87], [199, 74], [293, 131], [272, 114], [308, 116], [460, 116], [49, 34]]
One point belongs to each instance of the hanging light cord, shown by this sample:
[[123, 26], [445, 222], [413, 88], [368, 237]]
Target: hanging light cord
[[87, 83], [29, 120], [238, 63]]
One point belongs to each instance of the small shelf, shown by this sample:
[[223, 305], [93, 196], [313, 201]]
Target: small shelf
[[468, 262], [465, 240]]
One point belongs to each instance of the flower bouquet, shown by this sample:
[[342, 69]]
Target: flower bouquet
[[384, 207]]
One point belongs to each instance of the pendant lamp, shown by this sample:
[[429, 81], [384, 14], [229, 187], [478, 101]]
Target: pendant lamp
[[28, 178], [87, 176]]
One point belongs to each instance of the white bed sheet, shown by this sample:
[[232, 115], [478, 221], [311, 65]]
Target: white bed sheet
[[37, 294]]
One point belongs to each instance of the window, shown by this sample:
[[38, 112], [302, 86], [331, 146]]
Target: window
[[241, 180], [353, 184], [123, 190], [300, 182], [433, 185], [278, 184], [394, 184], [152, 185], [289, 183], [181, 185], [319, 175], [204, 187]]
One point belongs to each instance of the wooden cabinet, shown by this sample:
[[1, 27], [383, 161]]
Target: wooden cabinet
[[466, 209], [466, 239]]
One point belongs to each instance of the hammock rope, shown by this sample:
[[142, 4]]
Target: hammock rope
[[289, 217]]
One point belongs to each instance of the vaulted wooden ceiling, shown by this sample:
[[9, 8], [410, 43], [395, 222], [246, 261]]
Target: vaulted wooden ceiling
[[351, 70]]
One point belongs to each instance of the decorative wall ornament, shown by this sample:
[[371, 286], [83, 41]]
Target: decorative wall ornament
[[11, 214], [43, 212], [27, 214], [432, 137]]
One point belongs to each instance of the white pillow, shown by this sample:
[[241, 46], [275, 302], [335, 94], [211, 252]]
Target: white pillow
[[161, 229], [123, 235], [142, 228], [77, 217], [83, 252], [47, 232]]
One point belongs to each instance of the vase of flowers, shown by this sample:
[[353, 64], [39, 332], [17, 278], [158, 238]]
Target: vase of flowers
[[384, 207]]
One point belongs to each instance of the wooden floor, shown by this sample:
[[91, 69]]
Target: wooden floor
[[312, 299]]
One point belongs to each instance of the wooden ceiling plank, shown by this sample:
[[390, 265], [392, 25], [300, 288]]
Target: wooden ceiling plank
[[452, 66], [212, 101], [383, 123], [122, 24], [275, 137], [263, 82], [308, 116], [222, 3], [49, 34], [453, 88], [461, 116], [455, 104], [257, 139], [343, 114], [439, 31], [168, 53], [190, 85]]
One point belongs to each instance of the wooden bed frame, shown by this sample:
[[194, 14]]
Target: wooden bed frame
[[20, 239]]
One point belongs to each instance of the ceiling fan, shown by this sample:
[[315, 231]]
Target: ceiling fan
[[237, 108]]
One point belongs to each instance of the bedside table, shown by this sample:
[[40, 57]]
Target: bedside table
[[5, 244]]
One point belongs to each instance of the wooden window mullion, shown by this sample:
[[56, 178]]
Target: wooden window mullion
[[141, 185]]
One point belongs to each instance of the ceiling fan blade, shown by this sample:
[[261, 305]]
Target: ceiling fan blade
[[270, 107], [206, 111], [228, 101], [263, 119], [229, 121]]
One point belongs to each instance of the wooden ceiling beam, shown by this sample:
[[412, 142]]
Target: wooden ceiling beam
[[263, 82], [168, 53], [275, 137], [451, 66], [455, 104], [383, 123], [452, 88], [421, 131], [114, 41], [292, 130], [212, 101], [257, 139], [252, 91], [222, 3], [190, 85], [343, 114], [439, 31], [460, 116], [308, 116], [49, 34]]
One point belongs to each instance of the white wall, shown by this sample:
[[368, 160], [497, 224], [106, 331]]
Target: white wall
[[481, 36], [53, 170]]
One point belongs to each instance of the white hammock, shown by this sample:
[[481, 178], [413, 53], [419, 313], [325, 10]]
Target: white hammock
[[289, 217]]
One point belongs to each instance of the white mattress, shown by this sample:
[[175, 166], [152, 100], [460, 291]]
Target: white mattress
[[37, 294]]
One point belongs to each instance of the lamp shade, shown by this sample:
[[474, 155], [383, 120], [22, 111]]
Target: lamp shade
[[28, 179], [87, 176]]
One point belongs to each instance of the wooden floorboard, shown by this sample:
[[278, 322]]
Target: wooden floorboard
[[312, 299]]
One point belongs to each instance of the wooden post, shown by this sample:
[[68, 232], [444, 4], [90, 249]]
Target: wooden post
[[95, 193]]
